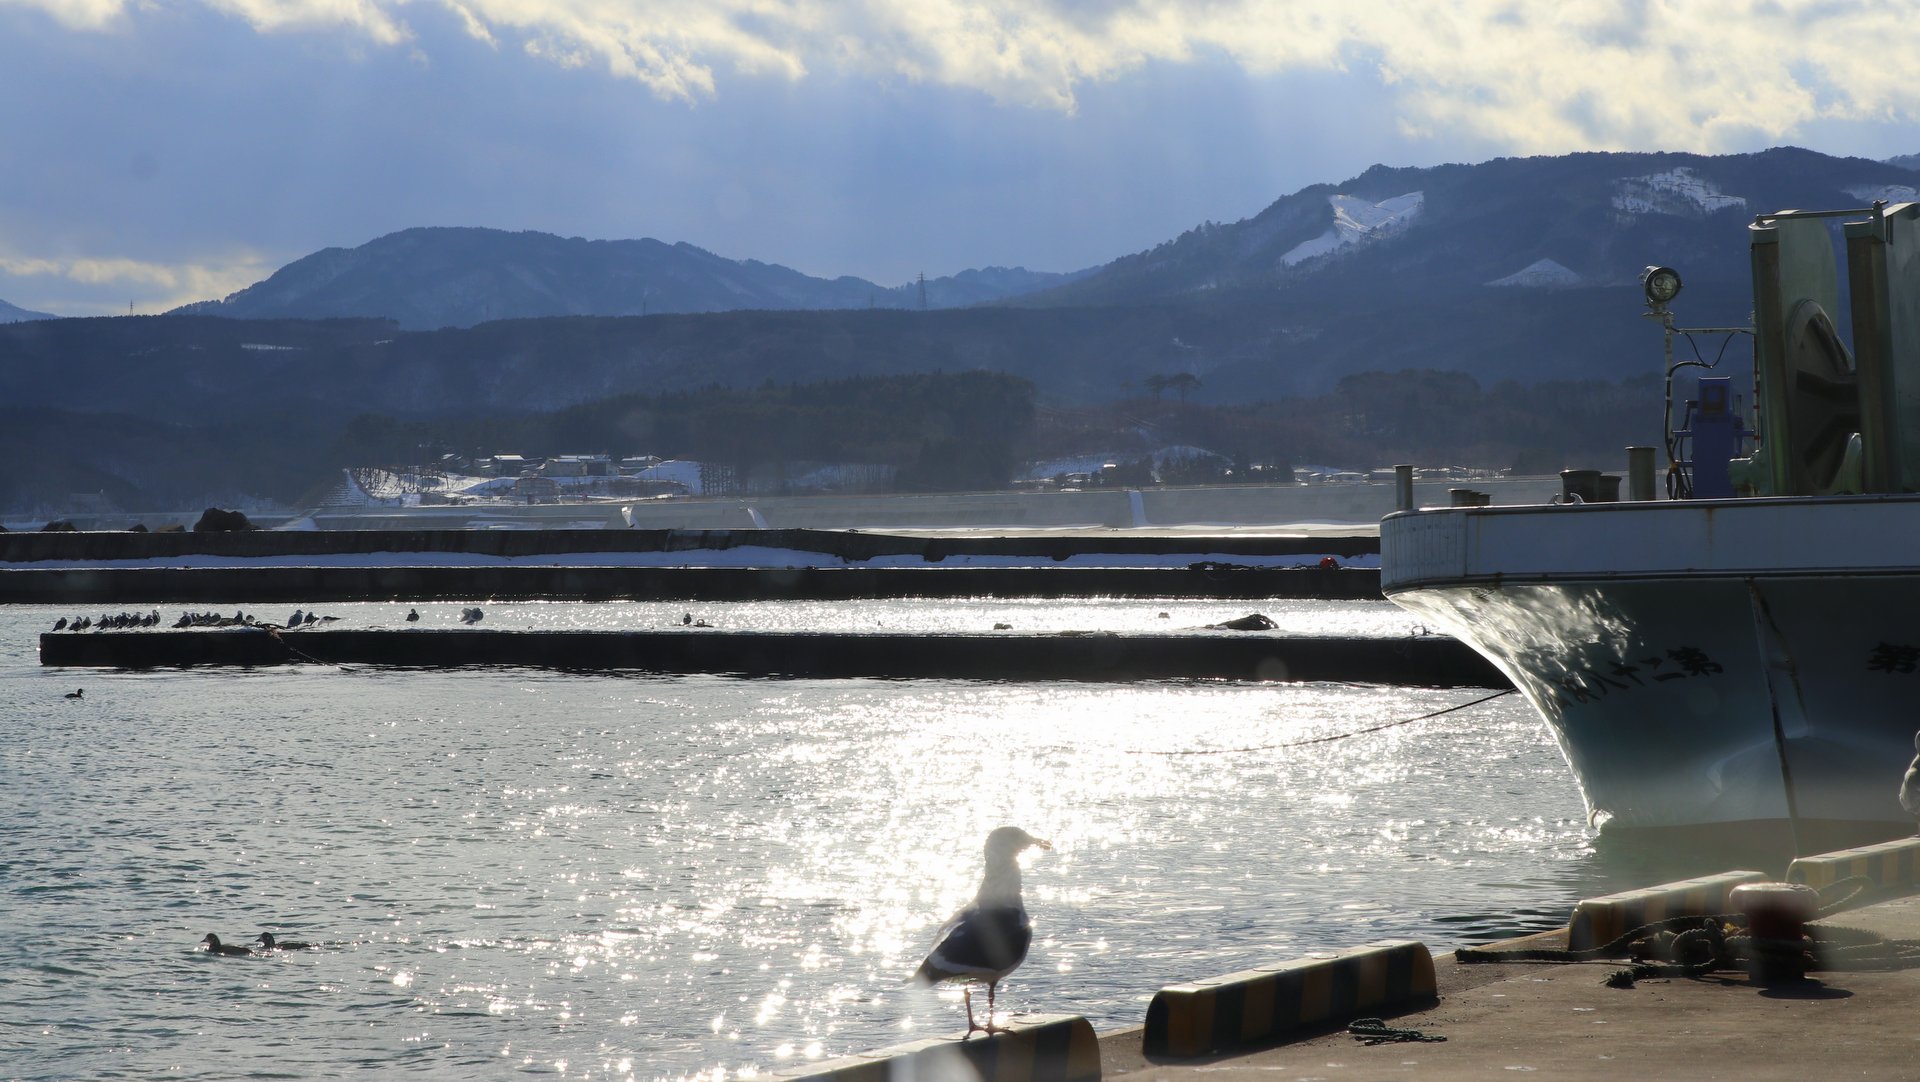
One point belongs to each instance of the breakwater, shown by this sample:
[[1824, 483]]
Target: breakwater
[[854, 546], [676, 565], [1428, 661], [310, 584]]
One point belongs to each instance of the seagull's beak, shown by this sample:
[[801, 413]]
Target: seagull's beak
[[1042, 843]]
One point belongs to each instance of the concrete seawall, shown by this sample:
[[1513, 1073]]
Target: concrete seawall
[[1427, 661], [307, 585], [690, 565]]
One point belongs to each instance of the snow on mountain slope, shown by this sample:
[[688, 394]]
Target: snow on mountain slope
[[1355, 221], [1678, 191], [1541, 273], [1892, 193]]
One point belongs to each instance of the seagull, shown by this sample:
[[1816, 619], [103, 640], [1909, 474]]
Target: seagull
[[1910, 785], [988, 939], [214, 946], [267, 942]]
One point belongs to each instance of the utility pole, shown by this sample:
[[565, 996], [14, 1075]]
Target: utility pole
[[923, 291]]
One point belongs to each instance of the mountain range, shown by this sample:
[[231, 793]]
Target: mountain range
[[13, 314], [1469, 233], [1517, 269], [423, 279]]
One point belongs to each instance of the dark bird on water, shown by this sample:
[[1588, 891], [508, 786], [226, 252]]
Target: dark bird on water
[[267, 942], [413, 615], [214, 946], [1910, 785], [77, 693], [988, 939]]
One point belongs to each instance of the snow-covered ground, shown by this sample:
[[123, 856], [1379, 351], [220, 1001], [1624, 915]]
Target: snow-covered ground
[[1678, 191], [1541, 273], [1891, 193], [1356, 221]]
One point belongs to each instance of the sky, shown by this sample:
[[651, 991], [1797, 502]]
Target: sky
[[156, 152]]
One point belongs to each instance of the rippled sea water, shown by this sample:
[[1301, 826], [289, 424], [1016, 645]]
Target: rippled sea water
[[640, 876]]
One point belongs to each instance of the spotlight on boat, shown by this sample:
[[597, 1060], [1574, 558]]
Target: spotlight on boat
[[1661, 284]]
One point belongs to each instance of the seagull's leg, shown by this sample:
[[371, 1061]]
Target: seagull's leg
[[992, 1029], [966, 996]]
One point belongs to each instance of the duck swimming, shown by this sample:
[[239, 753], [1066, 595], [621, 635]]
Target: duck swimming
[[214, 946], [77, 693], [267, 942]]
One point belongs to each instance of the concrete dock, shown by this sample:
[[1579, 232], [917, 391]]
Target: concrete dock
[[1562, 1021], [1433, 1016]]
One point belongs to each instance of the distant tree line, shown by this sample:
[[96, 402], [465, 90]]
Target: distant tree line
[[936, 432], [940, 432]]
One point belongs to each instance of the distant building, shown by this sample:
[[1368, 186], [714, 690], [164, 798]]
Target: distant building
[[504, 465], [689, 475], [536, 490]]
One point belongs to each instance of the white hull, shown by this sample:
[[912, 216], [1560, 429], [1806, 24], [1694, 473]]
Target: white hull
[[1700, 662]]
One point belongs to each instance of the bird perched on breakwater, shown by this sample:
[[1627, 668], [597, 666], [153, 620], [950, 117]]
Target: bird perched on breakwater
[[988, 939], [231, 950], [77, 693], [267, 942], [1910, 785]]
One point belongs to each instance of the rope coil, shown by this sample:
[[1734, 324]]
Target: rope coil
[[1372, 1031], [1693, 946]]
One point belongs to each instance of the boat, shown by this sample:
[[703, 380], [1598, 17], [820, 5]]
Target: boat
[[1742, 650]]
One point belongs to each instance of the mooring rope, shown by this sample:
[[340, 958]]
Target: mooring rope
[[296, 651], [1326, 739]]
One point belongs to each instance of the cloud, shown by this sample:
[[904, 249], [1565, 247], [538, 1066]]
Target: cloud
[[160, 286], [81, 14], [1701, 75]]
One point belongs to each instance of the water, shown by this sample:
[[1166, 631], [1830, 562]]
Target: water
[[636, 876]]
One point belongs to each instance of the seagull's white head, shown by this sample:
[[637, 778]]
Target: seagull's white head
[[1008, 842]]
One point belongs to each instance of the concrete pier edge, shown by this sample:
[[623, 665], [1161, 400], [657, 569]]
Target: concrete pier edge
[[1252, 1007], [1036, 1048]]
